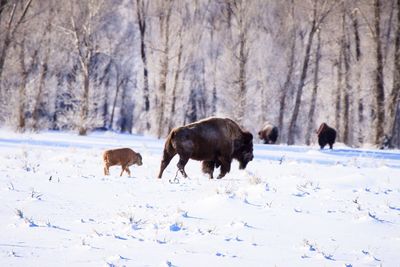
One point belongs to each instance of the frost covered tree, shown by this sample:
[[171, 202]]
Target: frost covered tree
[[148, 66]]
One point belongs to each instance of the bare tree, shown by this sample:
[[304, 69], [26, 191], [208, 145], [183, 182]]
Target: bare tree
[[360, 102], [142, 7], [165, 18], [43, 70], [12, 26], [338, 95], [176, 80], [22, 88], [394, 97], [82, 30], [345, 47], [238, 17], [379, 91], [318, 16], [27, 67], [290, 71], [311, 113], [119, 82]]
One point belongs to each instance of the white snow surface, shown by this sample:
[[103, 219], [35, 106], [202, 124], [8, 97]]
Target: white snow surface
[[292, 206]]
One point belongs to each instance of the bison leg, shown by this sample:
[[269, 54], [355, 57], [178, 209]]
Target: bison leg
[[208, 167], [322, 145], [330, 145], [225, 167], [164, 162], [181, 165]]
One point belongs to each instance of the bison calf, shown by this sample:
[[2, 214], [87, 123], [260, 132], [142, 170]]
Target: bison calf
[[124, 157], [268, 134], [326, 135]]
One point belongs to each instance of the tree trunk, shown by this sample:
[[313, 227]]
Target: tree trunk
[[176, 81], [292, 126], [164, 29], [43, 73], [395, 133], [347, 86], [387, 34], [394, 98], [141, 11], [22, 89], [311, 122], [125, 118], [379, 92], [358, 67], [85, 102], [9, 34], [38, 99], [289, 75], [214, 65], [118, 86], [243, 56], [3, 3], [338, 101]]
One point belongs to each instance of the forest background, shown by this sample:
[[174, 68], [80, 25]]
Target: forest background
[[146, 66]]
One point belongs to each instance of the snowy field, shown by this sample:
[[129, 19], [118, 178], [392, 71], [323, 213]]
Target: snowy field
[[292, 206]]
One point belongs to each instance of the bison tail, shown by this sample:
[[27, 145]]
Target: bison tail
[[169, 147], [168, 154]]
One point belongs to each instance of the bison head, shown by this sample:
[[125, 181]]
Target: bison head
[[260, 135], [243, 150]]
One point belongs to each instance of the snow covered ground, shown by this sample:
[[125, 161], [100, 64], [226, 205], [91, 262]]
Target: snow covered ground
[[292, 206]]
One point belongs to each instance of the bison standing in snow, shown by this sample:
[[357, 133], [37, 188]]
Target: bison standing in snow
[[268, 134], [214, 141], [326, 135], [123, 157]]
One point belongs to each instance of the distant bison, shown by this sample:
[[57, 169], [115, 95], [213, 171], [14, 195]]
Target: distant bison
[[326, 135], [123, 157], [268, 134], [214, 141]]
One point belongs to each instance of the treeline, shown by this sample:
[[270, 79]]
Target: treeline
[[149, 65]]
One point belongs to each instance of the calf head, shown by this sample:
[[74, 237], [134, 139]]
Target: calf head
[[139, 160]]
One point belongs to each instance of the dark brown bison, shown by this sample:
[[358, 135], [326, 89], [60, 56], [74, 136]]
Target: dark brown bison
[[268, 134], [326, 135], [214, 141]]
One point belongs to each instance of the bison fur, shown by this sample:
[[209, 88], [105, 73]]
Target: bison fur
[[326, 135], [214, 141], [269, 134], [123, 157]]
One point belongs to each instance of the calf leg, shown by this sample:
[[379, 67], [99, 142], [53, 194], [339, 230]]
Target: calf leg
[[123, 169], [106, 169], [128, 171], [208, 167]]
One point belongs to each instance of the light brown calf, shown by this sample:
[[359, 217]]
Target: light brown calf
[[123, 157]]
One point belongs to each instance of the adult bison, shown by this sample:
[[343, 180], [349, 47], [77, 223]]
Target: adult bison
[[214, 141], [268, 134], [326, 135]]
